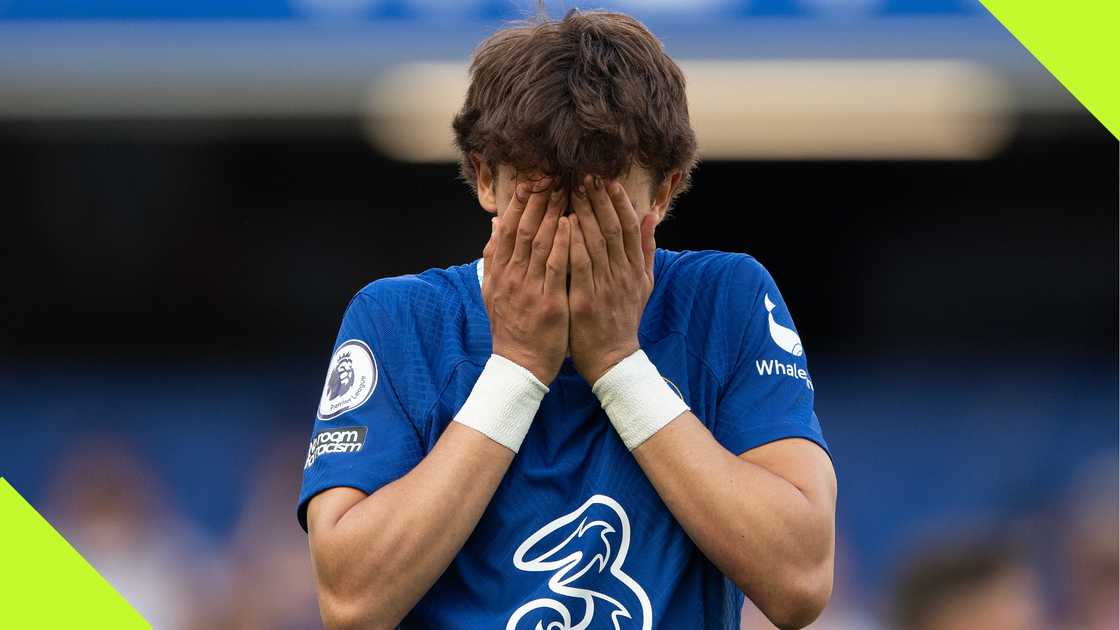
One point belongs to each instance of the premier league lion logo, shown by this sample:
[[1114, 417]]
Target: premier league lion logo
[[351, 379], [584, 551], [342, 378]]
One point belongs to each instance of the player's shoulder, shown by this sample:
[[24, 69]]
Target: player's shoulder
[[424, 317], [708, 297], [710, 273], [416, 327], [429, 294]]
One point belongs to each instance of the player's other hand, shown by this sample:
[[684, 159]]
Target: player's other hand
[[525, 283], [612, 275]]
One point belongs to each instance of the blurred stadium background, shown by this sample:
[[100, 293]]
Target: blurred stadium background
[[192, 191]]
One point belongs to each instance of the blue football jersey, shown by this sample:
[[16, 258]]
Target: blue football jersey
[[575, 534]]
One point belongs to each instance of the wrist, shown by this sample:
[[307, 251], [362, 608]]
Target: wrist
[[540, 371], [637, 399], [503, 402], [607, 360]]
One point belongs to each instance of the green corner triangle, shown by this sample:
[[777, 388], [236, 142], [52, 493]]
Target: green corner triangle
[[45, 583], [1078, 42]]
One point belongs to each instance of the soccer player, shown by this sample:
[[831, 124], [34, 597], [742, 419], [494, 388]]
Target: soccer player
[[578, 430]]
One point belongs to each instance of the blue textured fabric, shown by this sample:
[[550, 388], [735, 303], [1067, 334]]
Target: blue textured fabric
[[574, 507]]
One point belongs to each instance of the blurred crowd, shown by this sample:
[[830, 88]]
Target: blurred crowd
[[1056, 567], [258, 575]]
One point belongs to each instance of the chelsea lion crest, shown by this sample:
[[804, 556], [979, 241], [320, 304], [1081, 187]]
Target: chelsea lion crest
[[351, 379]]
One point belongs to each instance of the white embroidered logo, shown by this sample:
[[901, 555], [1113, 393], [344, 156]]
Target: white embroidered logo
[[583, 570], [786, 338]]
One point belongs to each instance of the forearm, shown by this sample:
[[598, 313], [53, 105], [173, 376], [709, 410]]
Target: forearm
[[767, 525], [773, 539], [377, 556], [387, 550]]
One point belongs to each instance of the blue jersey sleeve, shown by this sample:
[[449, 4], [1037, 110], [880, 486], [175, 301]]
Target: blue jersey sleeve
[[363, 437], [767, 393]]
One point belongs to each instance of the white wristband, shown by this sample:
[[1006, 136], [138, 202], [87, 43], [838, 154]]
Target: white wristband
[[637, 399], [503, 402]]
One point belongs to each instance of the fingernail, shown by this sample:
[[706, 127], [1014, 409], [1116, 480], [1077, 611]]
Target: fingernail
[[581, 189], [598, 183], [522, 192]]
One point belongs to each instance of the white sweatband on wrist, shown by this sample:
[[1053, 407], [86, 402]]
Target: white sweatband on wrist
[[637, 399], [503, 402]]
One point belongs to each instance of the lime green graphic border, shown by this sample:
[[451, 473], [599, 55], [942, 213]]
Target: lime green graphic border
[[1078, 41], [45, 583]]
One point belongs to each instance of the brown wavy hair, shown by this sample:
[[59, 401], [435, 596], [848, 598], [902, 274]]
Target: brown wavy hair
[[591, 93]]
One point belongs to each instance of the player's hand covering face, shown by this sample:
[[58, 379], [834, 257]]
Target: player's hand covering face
[[525, 283], [612, 275]]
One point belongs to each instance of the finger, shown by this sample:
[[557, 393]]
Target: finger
[[488, 256], [628, 219], [488, 251], [507, 224], [579, 259], [588, 225], [542, 244], [608, 221], [530, 222], [556, 269], [649, 245]]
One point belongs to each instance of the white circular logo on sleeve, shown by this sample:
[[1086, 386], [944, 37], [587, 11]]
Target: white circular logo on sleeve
[[351, 379]]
